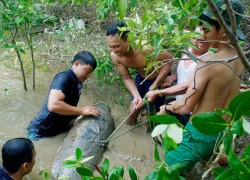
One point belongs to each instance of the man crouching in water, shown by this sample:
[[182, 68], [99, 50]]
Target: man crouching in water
[[213, 86], [60, 106]]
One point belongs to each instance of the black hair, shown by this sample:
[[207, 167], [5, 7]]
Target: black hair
[[210, 21], [112, 29], [15, 152], [85, 57]]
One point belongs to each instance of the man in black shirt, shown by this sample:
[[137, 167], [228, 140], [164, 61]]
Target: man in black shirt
[[60, 106], [18, 159]]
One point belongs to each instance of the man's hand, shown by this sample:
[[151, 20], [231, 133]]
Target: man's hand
[[151, 95], [90, 110], [244, 87], [168, 82], [137, 102], [162, 110]]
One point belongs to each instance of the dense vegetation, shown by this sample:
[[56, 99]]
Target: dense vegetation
[[27, 26]]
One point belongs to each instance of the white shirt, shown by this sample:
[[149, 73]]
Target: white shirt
[[183, 73]]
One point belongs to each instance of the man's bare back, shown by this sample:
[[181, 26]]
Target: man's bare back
[[213, 84]]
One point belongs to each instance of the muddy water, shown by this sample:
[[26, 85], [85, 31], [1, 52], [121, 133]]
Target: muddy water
[[17, 108]]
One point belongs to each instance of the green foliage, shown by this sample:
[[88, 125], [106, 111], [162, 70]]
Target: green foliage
[[162, 25], [20, 17], [238, 168], [122, 8], [45, 174], [79, 163], [105, 167], [164, 119], [209, 119], [238, 123], [132, 173]]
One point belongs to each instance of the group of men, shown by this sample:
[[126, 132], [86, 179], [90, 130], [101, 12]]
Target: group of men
[[200, 85]]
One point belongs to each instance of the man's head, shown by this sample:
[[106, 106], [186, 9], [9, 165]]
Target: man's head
[[18, 155], [217, 33], [201, 46], [83, 64], [116, 39]]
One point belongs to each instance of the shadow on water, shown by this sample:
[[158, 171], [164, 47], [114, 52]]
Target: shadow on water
[[17, 109]]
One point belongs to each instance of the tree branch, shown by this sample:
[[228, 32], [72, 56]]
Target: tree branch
[[231, 15], [232, 38]]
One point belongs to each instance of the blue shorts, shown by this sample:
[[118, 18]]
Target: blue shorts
[[144, 88]]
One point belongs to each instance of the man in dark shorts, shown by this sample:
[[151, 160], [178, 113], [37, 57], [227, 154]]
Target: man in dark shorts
[[18, 156], [60, 106], [124, 57]]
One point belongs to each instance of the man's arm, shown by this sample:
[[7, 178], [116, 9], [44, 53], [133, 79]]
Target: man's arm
[[172, 91], [195, 90], [164, 70], [57, 105]]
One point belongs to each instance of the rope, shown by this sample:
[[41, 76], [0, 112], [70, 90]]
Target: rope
[[105, 142]]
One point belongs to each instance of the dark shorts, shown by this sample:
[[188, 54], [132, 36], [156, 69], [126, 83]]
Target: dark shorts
[[194, 146], [144, 88], [182, 118]]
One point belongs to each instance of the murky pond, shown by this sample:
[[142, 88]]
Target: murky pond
[[17, 109]]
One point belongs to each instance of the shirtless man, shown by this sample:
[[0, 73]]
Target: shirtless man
[[183, 76], [124, 57], [215, 86]]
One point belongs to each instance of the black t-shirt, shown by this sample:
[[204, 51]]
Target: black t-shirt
[[47, 123], [4, 175]]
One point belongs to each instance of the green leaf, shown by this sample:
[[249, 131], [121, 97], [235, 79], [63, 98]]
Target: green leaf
[[177, 167], [133, 3], [237, 128], [87, 178], [246, 124], [113, 176], [246, 155], [179, 3], [163, 173], [97, 178], [78, 154], [83, 171], [209, 123], [157, 44], [239, 167], [164, 119], [118, 171], [228, 142], [217, 171], [152, 176], [168, 143], [122, 8], [105, 167], [227, 174], [220, 111], [191, 55], [132, 173], [70, 163], [240, 104], [156, 153]]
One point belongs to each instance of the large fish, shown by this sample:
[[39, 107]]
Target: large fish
[[85, 134]]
